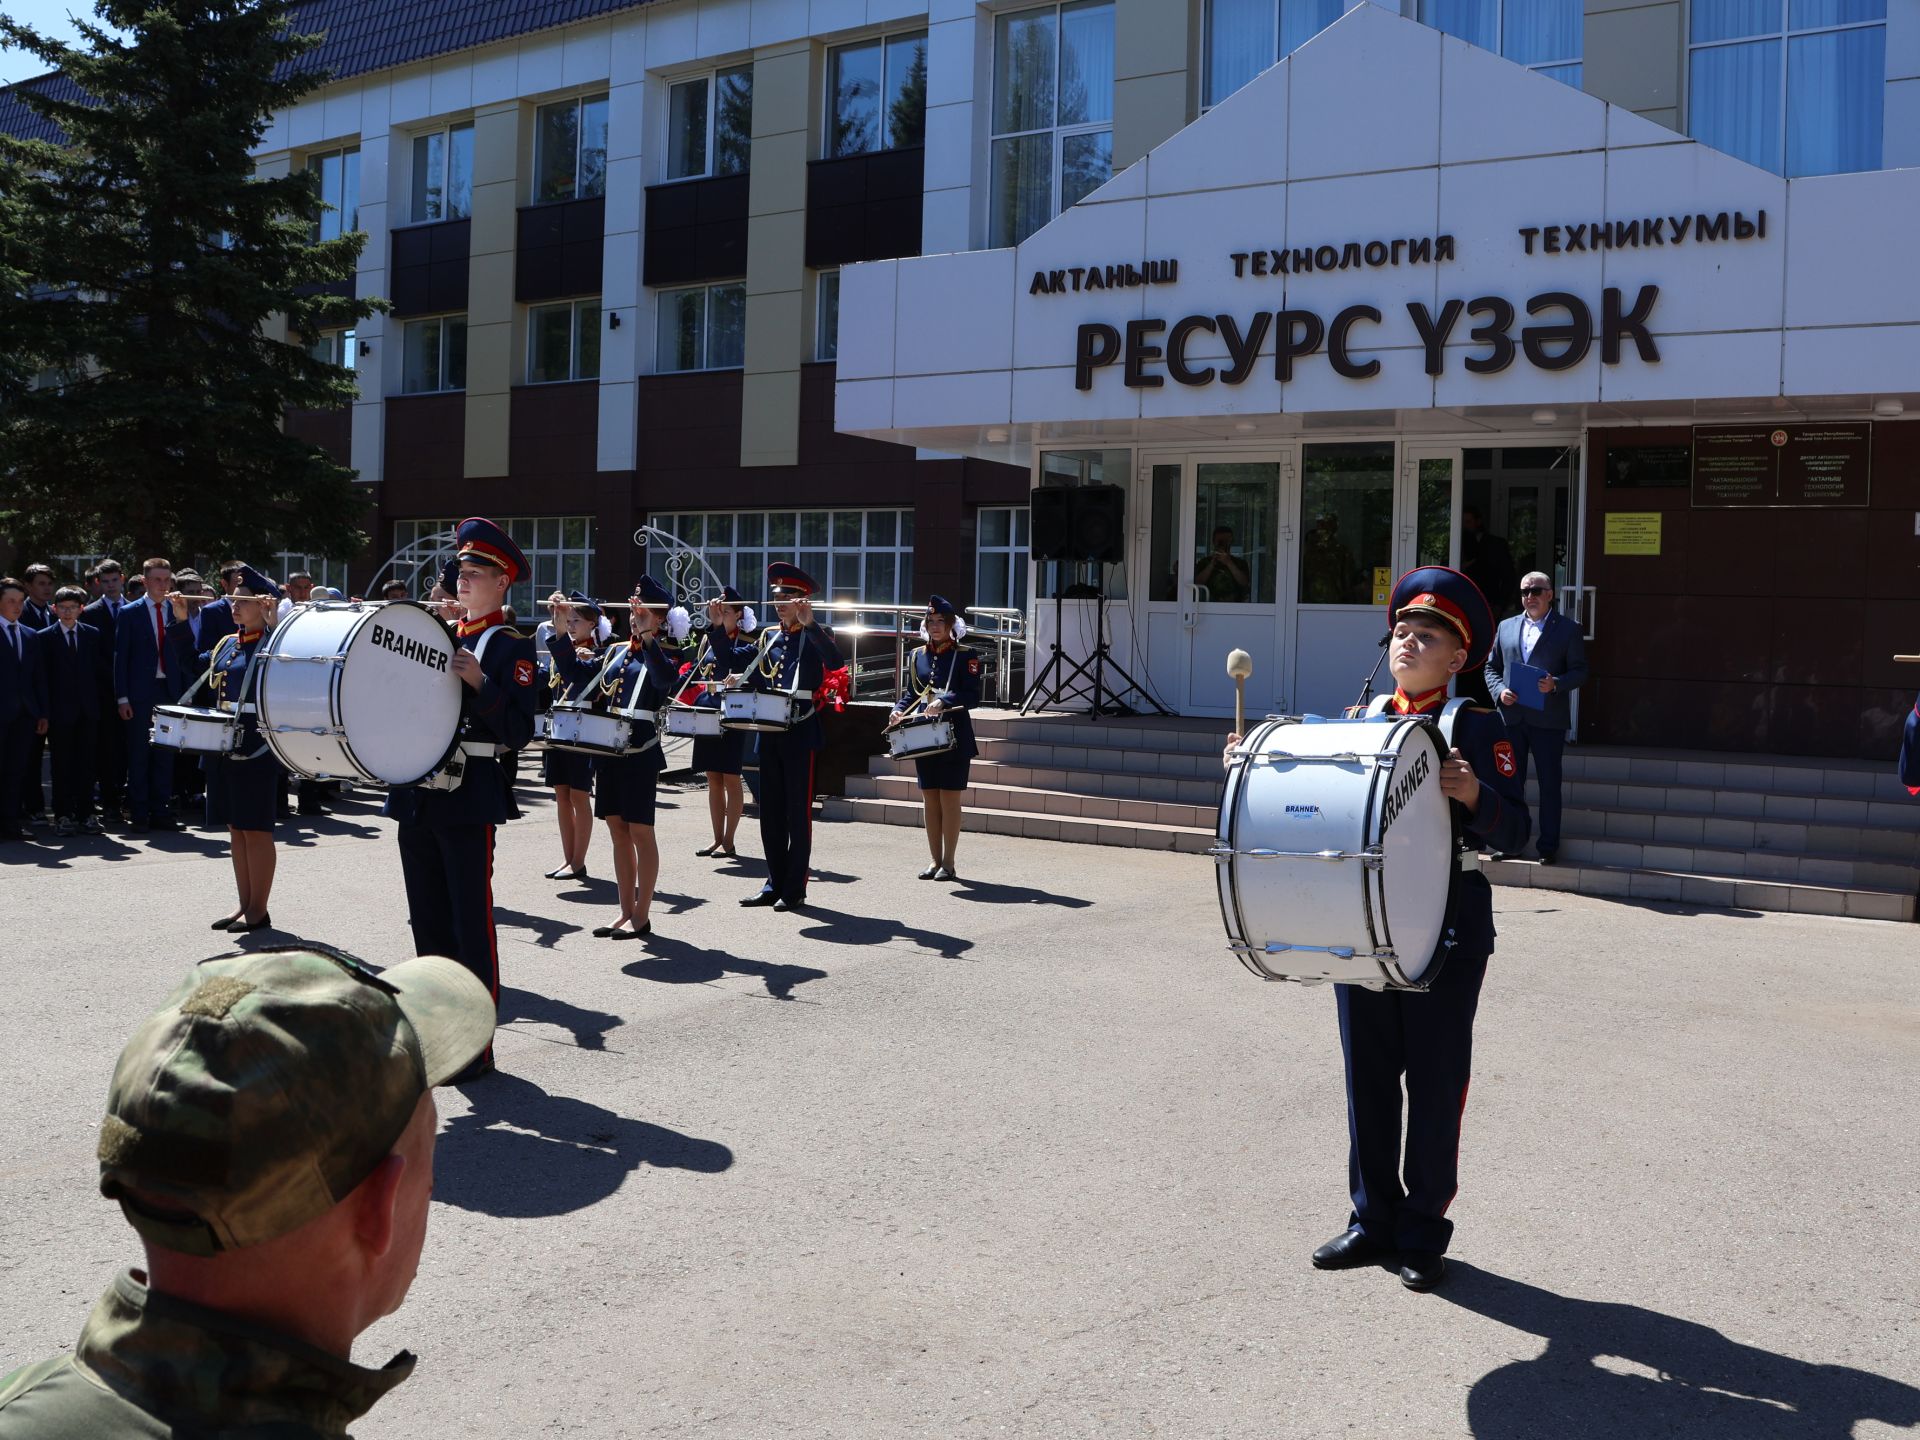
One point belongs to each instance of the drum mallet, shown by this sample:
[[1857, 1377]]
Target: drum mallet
[[1906, 659], [1239, 666]]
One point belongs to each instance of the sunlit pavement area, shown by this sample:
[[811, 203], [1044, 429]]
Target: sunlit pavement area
[[1031, 1154]]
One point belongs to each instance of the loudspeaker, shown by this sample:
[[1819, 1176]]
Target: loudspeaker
[[1078, 522], [1050, 522]]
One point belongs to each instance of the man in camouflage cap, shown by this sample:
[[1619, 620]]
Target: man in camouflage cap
[[269, 1133]]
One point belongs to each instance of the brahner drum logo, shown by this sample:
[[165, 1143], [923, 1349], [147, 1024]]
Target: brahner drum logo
[[1404, 787]]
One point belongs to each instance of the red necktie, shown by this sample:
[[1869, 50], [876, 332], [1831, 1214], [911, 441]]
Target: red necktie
[[160, 637]]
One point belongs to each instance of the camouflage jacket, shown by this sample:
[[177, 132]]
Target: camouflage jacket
[[151, 1365]]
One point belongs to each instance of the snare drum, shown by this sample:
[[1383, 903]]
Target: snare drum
[[576, 728], [189, 727], [367, 692], [768, 711], [695, 720], [542, 722], [1336, 852], [920, 736]]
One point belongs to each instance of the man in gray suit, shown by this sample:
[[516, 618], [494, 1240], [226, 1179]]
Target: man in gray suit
[[1547, 641]]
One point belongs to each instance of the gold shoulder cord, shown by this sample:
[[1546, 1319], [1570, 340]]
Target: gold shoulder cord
[[216, 678], [610, 689], [926, 692], [761, 662]]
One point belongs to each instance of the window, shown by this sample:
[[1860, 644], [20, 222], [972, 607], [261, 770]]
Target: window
[[860, 555], [1543, 35], [443, 173], [1346, 517], [332, 573], [1052, 113], [710, 124], [570, 150], [826, 325], [334, 347], [434, 355], [563, 342], [877, 95], [339, 172], [1000, 559], [559, 551], [1244, 37], [1797, 87], [703, 328]]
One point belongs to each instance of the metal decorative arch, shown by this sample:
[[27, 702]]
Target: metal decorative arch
[[426, 553], [689, 579]]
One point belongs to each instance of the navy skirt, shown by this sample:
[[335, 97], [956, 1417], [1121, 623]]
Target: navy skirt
[[243, 794], [624, 786], [950, 771], [722, 754], [566, 767]]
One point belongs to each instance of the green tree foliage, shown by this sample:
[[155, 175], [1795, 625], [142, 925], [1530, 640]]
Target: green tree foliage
[[142, 386]]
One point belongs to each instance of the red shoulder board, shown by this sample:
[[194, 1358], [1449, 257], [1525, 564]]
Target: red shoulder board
[[1503, 760], [523, 672], [973, 666]]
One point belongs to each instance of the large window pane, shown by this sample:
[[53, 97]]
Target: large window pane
[[1735, 100], [733, 121], [420, 361], [682, 330], [549, 343], [1022, 187], [556, 130], [593, 148], [1731, 19], [726, 327], [1023, 71], [1086, 163], [1435, 523], [350, 192], [1474, 21], [459, 193], [1836, 95], [687, 129], [1240, 45], [853, 98], [1086, 62], [1346, 517], [1235, 523], [1163, 546], [1301, 20], [456, 353], [1809, 14], [1540, 30], [906, 90], [429, 176], [586, 340]]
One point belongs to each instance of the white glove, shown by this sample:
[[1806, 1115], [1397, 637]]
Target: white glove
[[679, 623]]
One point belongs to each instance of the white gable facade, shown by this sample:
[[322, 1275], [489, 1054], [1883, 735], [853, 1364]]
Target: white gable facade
[[1389, 237]]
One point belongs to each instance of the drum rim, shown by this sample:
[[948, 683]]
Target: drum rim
[[1396, 972]]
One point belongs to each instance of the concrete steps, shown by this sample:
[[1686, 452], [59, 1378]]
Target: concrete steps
[[1758, 833]]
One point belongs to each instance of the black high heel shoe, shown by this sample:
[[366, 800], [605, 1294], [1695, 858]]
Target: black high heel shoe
[[226, 922], [244, 927], [560, 874]]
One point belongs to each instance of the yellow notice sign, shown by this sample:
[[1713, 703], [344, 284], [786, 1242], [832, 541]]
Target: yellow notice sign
[[1382, 583], [1633, 533]]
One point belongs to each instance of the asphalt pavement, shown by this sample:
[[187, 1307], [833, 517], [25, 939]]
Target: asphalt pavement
[[1031, 1155]]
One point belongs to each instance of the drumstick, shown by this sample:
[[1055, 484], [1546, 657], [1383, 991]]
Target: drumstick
[[1239, 666], [1906, 659]]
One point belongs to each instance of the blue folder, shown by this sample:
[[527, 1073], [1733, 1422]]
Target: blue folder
[[1524, 682]]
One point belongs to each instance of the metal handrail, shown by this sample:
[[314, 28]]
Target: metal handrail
[[1000, 632]]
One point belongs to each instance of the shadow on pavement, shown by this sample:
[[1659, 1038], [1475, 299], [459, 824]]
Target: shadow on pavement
[[523, 1153], [547, 931], [1014, 895], [836, 927], [675, 962], [1618, 1372], [588, 1027]]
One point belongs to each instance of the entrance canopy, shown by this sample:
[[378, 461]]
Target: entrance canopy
[[1394, 230]]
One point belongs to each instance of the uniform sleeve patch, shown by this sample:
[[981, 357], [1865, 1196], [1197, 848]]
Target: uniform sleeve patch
[[523, 672], [973, 666], [1503, 760]]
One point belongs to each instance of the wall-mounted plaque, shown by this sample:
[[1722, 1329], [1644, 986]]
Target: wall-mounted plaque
[[1792, 466], [1649, 467]]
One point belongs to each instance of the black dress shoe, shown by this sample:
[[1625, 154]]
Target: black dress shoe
[[928, 873], [646, 929], [243, 927], [226, 922], [601, 932], [1546, 857], [1422, 1269], [1350, 1248], [782, 907], [764, 897]]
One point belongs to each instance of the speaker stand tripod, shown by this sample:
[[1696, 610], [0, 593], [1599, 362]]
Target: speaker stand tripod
[[1086, 678]]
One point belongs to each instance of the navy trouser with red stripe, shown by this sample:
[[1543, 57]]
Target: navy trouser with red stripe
[[1427, 1036], [786, 814], [448, 871]]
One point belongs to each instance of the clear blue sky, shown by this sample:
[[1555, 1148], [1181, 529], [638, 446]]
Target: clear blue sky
[[49, 17]]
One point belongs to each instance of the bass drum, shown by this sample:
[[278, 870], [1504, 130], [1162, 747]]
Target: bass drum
[[1336, 852], [359, 692]]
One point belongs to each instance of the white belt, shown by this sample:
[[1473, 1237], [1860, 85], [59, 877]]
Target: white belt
[[481, 750]]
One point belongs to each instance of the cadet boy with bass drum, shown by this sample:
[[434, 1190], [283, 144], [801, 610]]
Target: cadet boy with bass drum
[[1441, 626]]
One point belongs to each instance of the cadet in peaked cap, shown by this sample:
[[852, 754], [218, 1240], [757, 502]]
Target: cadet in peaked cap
[[944, 680], [575, 631], [446, 834], [269, 1135]]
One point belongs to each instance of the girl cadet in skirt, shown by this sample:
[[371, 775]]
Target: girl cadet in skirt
[[640, 675], [728, 649], [943, 678], [243, 785], [576, 625]]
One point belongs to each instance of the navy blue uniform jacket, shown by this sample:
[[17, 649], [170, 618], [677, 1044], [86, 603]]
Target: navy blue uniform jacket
[[69, 685], [724, 655], [1499, 822], [228, 662], [20, 689], [796, 660], [500, 712], [955, 675], [135, 654]]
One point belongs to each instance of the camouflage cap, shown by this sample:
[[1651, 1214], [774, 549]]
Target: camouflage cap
[[272, 1083]]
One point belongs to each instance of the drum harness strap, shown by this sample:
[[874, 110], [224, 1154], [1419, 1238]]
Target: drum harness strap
[[635, 711], [772, 673], [241, 706]]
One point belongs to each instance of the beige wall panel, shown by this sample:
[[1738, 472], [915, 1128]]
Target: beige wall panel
[[776, 251], [779, 180], [494, 217], [770, 419], [490, 289], [775, 330], [1150, 37], [782, 83], [496, 144]]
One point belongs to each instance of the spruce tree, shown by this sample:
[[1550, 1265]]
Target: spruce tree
[[141, 394]]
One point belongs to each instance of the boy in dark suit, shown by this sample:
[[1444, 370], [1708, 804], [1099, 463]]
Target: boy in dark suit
[[21, 718], [1544, 639], [70, 673], [110, 747], [142, 680]]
